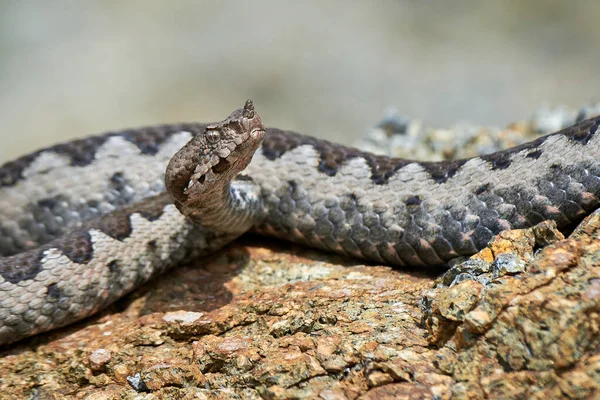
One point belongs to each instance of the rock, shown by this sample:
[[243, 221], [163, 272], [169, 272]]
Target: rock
[[280, 322], [99, 358]]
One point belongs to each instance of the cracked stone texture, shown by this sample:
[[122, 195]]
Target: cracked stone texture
[[279, 321]]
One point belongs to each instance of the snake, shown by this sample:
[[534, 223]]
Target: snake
[[85, 222]]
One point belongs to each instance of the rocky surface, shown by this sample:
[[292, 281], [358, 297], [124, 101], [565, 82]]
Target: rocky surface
[[521, 319], [270, 320]]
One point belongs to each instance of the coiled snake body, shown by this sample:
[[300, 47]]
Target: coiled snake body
[[85, 222]]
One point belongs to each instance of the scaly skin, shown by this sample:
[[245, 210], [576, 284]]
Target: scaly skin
[[297, 188]]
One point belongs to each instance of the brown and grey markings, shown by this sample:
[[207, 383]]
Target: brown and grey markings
[[299, 188], [21, 267], [452, 208], [54, 291], [77, 246], [82, 152], [334, 156]]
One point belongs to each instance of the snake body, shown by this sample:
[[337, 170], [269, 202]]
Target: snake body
[[85, 222]]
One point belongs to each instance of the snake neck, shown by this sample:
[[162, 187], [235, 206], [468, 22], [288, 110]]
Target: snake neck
[[201, 176], [233, 208]]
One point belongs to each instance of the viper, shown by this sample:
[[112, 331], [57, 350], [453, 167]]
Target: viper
[[85, 222]]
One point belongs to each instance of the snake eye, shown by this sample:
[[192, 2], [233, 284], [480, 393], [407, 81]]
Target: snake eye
[[213, 136]]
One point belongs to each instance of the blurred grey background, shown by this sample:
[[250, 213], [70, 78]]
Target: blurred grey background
[[326, 68]]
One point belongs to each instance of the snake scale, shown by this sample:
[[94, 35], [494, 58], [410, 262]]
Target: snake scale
[[85, 222]]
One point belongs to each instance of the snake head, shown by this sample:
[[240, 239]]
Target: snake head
[[209, 161]]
